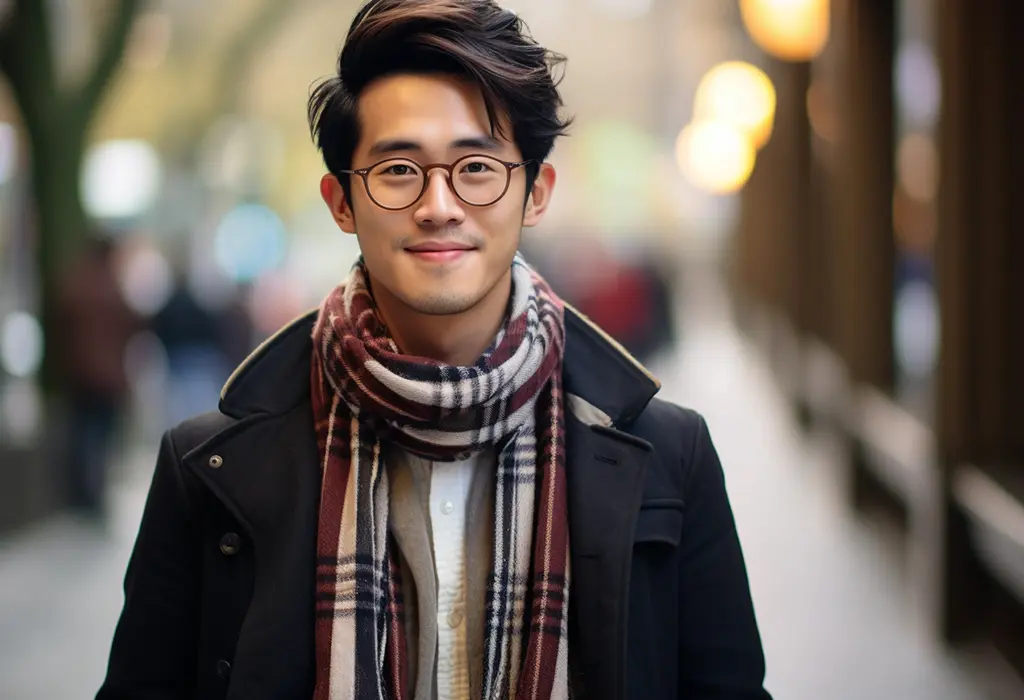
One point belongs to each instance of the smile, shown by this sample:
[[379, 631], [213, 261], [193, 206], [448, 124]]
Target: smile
[[439, 253]]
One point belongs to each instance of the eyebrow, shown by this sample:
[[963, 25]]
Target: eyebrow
[[484, 143]]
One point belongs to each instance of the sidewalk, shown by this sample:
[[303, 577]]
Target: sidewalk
[[60, 595], [835, 620]]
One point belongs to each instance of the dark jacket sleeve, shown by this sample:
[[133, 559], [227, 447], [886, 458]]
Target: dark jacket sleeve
[[721, 653], [153, 655]]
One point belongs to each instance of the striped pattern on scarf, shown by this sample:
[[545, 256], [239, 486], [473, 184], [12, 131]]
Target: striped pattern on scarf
[[365, 392]]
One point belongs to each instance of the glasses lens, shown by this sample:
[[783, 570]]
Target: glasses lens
[[480, 180], [395, 184]]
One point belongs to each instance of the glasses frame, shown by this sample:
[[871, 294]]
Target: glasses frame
[[449, 168]]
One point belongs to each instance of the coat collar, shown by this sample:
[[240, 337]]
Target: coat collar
[[275, 377]]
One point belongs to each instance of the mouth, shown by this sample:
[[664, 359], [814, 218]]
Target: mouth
[[439, 252]]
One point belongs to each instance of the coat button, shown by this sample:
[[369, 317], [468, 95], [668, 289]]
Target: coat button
[[224, 669], [216, 462], [454, 618], [230, 544]]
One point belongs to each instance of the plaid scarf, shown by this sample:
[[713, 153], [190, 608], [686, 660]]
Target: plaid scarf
[[365, 392]]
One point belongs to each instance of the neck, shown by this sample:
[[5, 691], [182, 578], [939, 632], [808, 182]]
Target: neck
[[457, 339]]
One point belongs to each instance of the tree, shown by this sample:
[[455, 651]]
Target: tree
[[57, 119]]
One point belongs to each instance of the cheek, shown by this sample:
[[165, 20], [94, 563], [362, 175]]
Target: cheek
[[502, 228], [376, 227], [374, 239]]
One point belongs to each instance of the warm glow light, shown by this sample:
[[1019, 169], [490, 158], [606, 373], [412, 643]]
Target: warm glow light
[[738, 94], [715, 157], [793, 30]]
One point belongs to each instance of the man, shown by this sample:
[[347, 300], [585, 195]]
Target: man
[[444, 483]]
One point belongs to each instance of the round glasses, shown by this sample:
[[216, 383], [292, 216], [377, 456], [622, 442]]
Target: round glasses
[[398, 183]]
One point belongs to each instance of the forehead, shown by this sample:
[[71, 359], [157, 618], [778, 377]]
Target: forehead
[[433, 110]]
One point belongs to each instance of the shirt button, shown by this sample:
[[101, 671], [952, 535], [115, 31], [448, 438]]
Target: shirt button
[[455, 618], [447, 507], [216, 462], [223, 669], [230, 544]]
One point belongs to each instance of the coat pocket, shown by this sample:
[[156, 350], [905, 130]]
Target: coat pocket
[[659, 522]]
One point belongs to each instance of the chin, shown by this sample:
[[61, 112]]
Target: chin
[[443, 304]]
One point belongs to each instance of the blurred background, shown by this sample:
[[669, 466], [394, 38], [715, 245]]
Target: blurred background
[[802, 214]]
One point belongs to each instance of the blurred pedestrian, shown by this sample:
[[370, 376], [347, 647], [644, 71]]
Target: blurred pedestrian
[[197, 364], [94, 326]]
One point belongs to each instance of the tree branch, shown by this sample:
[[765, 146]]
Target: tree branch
[[26, 55], [108, 57], [8, 19], [8, 30], [12, 26]]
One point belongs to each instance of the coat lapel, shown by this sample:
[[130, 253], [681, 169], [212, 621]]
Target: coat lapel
[[606, 484], [607, 476]]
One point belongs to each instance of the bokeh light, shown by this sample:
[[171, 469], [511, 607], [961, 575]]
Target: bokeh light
[[250, 240], [918, 84], [793, 30], [715, 157], [739, 94], [121, 179], [146, 278], [21, 344], [917, 165], [8, 152]]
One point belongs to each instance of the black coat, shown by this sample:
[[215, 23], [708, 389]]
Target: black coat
[[219, 589]]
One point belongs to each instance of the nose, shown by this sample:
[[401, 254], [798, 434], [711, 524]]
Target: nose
[[439, 206]]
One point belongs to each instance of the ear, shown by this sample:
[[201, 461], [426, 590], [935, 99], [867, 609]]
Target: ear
[[540, 195], [338, 204]]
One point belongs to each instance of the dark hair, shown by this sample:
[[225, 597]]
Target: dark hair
[[472, 39]]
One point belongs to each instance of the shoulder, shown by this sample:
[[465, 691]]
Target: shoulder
[[668, 426], [678, 435], [192, 433], [172, 486]]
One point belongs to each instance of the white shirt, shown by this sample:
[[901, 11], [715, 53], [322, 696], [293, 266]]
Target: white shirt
[[450, 484]]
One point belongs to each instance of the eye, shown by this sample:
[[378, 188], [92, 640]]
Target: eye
[[477, 167], [399, 169]]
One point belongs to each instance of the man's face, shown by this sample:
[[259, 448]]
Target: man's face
[[434, 119]]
